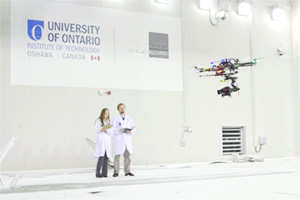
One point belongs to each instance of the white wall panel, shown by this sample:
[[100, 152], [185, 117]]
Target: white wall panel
[[52, 122]]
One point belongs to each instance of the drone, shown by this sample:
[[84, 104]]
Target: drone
[[226, 68]]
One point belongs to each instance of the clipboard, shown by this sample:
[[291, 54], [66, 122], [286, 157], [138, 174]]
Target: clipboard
[[128, 129], [106, 126]]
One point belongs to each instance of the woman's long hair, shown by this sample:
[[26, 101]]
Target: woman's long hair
[[101, 117]]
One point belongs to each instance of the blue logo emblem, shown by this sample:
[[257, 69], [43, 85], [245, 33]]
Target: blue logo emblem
[[34, 29]]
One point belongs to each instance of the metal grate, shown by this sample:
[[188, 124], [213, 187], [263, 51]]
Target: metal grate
[[232, 140]]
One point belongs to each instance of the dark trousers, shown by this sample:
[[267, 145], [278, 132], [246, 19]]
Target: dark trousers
[[102, 164]]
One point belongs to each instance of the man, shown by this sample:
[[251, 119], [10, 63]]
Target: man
[[124, 127]]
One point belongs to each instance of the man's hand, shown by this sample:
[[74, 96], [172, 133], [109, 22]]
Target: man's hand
[[128, 131], [121, 130]]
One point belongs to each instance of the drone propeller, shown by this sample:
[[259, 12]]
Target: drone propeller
[[207, 75]]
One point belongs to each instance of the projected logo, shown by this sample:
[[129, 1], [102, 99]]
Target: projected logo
[[34, 29], [158, 45]]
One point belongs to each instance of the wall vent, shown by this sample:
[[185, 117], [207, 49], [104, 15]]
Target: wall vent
[[232, 140]]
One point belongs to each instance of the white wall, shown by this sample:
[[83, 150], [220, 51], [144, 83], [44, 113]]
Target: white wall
[[52, 122], [296, 48], [273, 83]]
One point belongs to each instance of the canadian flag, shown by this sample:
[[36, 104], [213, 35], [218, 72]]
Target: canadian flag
[[95, 58], [102, 92]]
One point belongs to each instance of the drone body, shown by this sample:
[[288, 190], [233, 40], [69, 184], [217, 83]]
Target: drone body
[[226, 68]]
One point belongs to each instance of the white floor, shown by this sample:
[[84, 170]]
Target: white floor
[[272, 179]]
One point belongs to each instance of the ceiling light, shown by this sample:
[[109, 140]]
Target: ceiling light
[[205, 4], [244, 8], [277, 13]]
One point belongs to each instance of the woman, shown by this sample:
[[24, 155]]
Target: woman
[[103, 146]]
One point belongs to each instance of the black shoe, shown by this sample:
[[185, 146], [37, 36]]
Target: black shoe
[[99, 176], [129, 174], [115, 175]]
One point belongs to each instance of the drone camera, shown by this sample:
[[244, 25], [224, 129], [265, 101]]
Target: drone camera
[[226, 91]]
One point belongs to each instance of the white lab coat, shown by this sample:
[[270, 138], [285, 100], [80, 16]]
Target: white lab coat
[[103, 143], [123, 141]]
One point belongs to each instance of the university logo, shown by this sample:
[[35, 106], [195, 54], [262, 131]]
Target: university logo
[[34, 29]]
